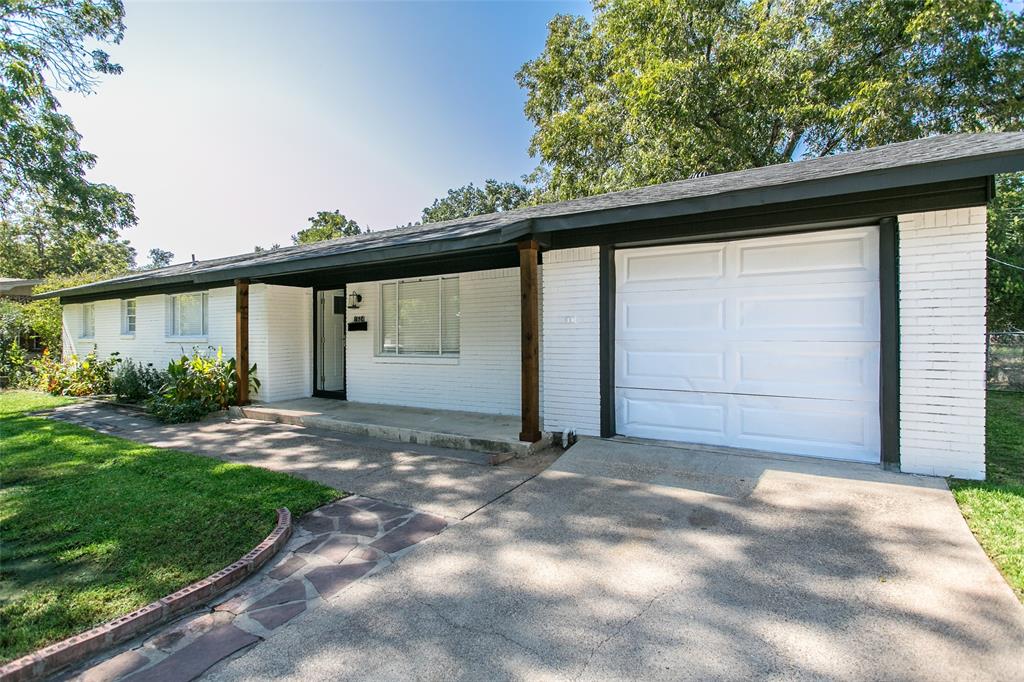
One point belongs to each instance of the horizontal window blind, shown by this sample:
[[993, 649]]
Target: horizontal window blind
[[420, 317]]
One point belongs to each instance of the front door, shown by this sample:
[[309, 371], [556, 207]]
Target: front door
[[330, 343]]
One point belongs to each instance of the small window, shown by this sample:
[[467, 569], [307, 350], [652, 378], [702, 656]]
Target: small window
[[128, 317], [88, 320], [420, 317], [187, 314]]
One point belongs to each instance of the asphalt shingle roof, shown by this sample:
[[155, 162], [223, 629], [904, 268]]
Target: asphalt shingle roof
[[932, 159]]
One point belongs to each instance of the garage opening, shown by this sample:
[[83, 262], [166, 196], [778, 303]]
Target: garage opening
[[769, 343]]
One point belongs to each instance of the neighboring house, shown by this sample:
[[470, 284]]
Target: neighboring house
[[833, 307], [17, 289]]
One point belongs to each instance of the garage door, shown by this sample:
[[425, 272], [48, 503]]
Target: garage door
[[767, 343]]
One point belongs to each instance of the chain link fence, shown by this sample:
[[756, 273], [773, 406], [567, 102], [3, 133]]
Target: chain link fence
[[1005, 361]]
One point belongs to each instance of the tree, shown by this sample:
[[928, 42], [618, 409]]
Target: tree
[[470, 200], [327, 225], [49, 237], [655, 90], [1006, 246], [42, 47], [260, 249], [159, 258]]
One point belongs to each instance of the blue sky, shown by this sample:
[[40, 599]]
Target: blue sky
[[234, 122]]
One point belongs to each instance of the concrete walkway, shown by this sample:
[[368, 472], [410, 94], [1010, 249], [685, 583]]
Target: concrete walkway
[[450, 483], [626, 561]]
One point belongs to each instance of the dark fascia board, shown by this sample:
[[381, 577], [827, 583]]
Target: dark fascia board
[[501, 256], [911, 176], [203, 279], [838, 211]]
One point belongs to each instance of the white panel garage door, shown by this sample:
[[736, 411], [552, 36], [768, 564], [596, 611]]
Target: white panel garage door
[[767, 343]]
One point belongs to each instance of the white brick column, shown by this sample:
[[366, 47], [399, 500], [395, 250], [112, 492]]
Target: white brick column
[[942, 342]]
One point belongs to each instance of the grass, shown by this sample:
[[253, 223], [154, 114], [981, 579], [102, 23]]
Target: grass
[[994, 509], [95, 526]]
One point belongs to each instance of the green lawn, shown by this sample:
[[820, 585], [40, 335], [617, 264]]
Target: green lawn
[[995, 509], [95, 526]]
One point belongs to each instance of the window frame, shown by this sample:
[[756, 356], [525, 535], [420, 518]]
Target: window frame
[[89, 333], [134, 317], [441, 354], [173, 321]]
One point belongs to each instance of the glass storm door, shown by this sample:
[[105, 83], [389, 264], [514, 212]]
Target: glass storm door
[[330, 345]]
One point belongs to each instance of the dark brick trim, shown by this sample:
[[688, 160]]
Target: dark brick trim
[[48, 660]]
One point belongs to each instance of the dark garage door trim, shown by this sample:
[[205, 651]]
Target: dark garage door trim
[[889, 340]]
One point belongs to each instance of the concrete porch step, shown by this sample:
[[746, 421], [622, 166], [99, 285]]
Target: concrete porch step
[[439, 428]]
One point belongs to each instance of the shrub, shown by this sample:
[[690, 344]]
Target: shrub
[[74, 376], [134, 382], [197, 385], [13, 325]]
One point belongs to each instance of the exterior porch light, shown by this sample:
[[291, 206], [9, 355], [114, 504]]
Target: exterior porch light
[[354, 300]]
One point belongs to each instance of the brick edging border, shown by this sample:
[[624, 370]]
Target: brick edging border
[[54, 657]]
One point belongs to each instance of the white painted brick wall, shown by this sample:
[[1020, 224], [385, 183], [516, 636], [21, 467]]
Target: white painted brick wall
[[484, 378], [284, 353], [150, 343], [570, 341], [942, 342], [280, 350]]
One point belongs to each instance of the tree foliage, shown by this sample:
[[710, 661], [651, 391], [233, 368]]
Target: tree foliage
[[470, 200], [1006, 244], [655, 90], [55, 238], [327, 225], [43, 47], [160, 258]]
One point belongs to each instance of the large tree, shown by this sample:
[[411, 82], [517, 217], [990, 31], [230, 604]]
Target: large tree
[[327, 225], [52, 219], [655, 90], [470, 200]]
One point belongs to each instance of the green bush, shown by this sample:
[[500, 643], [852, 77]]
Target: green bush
[[197, 385], [13, 325], [74, 376], [134, 382]]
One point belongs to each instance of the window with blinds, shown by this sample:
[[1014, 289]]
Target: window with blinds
[[420, 317]]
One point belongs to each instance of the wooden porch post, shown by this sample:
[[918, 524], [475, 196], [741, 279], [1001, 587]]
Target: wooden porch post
[[242, 339], [529, 292]]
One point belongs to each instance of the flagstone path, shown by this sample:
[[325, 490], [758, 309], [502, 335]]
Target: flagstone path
[[331, 548]]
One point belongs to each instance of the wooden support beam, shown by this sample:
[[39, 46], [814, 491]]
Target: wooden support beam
[[529, 294], [242, 339]]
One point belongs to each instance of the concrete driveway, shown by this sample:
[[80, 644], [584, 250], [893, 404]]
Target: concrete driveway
[[634, 561]]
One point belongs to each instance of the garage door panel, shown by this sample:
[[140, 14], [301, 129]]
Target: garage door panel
[[773, 346], [831, 371], [643, 315], [673, 263], [669, 368], [824, 428], [820, 312], [667, 415], [852, 255], [851, 313], [826, 257], [834, 429], [827, 371]]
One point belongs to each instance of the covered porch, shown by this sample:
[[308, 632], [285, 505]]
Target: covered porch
[[494, 434], [480, 393]]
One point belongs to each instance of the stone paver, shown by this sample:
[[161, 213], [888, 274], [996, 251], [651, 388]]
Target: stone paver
[[323, 558], [197, 657]]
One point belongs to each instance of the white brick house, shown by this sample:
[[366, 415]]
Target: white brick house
[[832, 307]]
